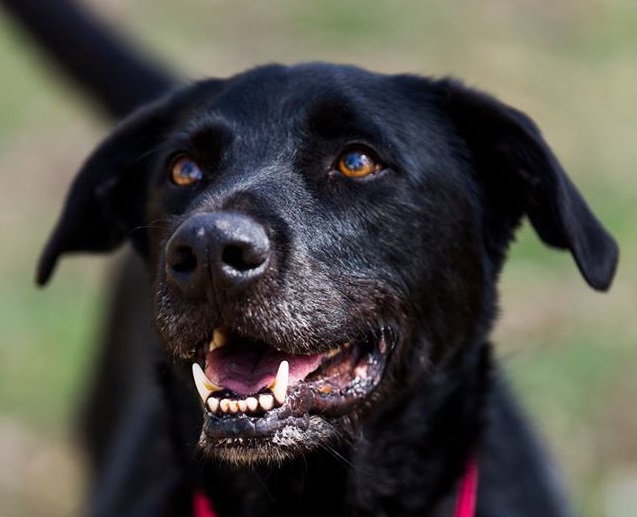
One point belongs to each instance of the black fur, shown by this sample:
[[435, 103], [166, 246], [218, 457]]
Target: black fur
[[412, 252], [117, 77]]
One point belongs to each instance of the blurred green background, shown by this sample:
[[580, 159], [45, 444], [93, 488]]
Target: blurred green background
[[571, 64]]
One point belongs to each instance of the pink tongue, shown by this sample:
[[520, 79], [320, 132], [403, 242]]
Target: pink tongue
[[246, 370]]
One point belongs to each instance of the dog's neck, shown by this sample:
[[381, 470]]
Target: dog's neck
[[388, 470]]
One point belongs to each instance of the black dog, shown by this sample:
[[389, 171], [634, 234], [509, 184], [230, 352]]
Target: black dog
[[323, 246]]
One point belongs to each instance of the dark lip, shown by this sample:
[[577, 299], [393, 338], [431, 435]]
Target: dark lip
[[313, 396]]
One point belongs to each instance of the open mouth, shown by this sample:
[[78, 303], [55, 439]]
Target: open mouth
[[250, 389]]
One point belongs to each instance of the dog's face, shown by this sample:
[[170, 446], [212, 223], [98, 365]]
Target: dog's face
[[320, 238]]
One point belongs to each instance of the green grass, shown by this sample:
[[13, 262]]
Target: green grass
[[45, 349]]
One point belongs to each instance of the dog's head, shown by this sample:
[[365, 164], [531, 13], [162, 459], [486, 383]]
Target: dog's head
[[320, 237]]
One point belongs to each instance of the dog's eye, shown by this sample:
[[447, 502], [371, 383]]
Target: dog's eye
[[357, 163], [184, 172]]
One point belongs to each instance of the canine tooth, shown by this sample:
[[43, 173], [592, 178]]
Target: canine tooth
[[213, 404], [203, 384], [224, 405], [252, 403], [266, 401], [234, 406], [280, 386], [243, 405], [219, 339]]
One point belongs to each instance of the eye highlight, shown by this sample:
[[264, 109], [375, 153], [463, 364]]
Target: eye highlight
[[184, 171], [357, 163]]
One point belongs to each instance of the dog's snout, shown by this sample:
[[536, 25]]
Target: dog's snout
[[213, 250]]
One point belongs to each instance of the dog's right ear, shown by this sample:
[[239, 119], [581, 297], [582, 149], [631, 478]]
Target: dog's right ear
[[520, 175], [107, 199]]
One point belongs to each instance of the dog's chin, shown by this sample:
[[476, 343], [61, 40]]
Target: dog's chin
[[262, 404], [288, 441]]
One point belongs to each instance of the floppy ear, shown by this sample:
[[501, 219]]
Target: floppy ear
[[521, 175], [107, 199]]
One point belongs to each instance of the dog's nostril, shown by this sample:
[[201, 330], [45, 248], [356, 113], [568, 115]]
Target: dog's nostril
[[183, 260], [243, 257]]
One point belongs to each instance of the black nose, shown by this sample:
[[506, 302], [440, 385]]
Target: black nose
[[216, 250]]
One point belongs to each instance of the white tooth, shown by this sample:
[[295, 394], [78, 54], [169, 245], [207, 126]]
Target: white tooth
[[213, 404], [204, 386], [266, 401], [360, 371], [219, 339], [234, 406], [243, 405], [252, 403], [224, 405], [280, 386]]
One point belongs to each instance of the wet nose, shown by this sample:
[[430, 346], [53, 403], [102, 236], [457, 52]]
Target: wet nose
[[216, 250]]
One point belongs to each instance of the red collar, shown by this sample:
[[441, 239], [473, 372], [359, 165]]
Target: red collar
[[468, 495], [201, 505], [465, 505]]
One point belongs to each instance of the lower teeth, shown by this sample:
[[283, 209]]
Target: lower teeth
[[265, 402]]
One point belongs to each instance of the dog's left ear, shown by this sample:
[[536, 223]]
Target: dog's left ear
[[107, 196], [521, 175], [107, 199]]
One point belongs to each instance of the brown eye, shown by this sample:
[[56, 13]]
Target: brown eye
[[356, 164], [184, 172]]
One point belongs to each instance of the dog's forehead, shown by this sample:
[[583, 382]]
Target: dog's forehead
[[274, 110], [293, 87], [293, 97]]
